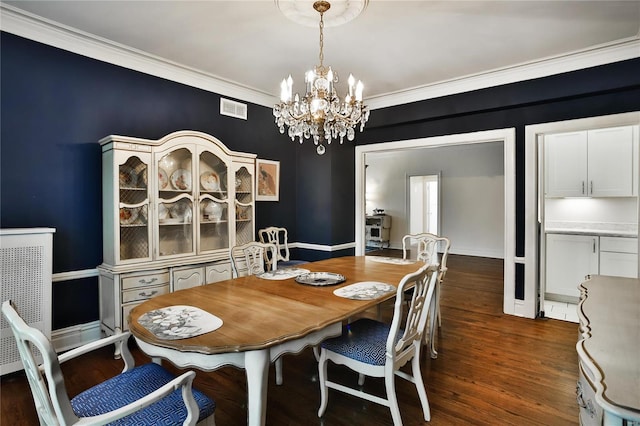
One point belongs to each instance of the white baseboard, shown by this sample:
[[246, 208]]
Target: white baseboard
[[71, 337]]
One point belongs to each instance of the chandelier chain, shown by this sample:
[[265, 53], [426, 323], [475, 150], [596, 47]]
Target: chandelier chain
[[321, 56]]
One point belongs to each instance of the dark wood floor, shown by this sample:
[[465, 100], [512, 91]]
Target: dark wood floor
[[492, 369]]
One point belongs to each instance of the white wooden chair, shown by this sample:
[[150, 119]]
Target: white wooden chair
[[373, 348], [146, 394], [427, 251], [279, 237], [252, 258]]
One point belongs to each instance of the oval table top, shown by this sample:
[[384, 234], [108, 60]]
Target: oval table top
[[259, 313]]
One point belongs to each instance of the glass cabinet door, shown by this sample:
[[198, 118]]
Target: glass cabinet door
[[175, 203], [244, 205], [133, 178], [214, 203]]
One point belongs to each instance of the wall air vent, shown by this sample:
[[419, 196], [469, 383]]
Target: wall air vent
[[233, 109]]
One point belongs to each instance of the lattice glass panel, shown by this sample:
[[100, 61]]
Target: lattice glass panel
[[214, 225], [134, 237], [244, 184]]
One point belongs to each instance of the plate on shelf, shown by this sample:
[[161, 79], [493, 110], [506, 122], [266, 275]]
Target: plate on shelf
[[181, 179], [163, 179], [128, 177], [182, 212], [320, 278], [128, 216], [141, 173], [163, 213], [210, 181]]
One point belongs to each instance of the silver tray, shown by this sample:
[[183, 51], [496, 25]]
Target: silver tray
[[320, 278]]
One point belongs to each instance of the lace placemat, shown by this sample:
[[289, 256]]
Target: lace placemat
[[393, 260], [283, 274], [179, 322], [366, 290]]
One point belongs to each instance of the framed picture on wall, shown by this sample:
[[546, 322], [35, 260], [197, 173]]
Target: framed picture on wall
[[267, 180]]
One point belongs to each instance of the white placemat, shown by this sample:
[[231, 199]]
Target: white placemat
[[366, 290], [394, 260], [283, 274], [179, 322]]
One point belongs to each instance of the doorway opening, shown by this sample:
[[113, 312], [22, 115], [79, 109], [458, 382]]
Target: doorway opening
[[424, 204]]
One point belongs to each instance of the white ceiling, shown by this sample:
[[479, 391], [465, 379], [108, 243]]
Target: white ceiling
[[393, 46]]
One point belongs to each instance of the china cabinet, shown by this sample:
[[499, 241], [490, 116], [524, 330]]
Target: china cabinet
[[593, 163], [171, 209]]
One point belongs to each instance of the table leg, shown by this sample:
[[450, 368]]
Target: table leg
[[257, 368]]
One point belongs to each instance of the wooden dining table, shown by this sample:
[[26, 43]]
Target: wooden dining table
[[264, 319]]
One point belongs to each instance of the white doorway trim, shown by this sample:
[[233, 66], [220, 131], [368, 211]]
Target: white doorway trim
[[533, 181], [507, 136]]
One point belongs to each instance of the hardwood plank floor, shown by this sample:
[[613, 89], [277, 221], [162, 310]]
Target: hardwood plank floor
[[492, 369]]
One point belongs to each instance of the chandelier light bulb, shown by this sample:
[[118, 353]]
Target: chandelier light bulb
[[320, 114]]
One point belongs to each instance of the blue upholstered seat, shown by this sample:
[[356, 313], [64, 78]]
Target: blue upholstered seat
[[133, 385], [372, 348], [364, 340]]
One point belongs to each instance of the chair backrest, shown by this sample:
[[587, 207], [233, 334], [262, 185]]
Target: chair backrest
[[427, 246], [279, 237], [251, 258], [47, 384], [403, 344]]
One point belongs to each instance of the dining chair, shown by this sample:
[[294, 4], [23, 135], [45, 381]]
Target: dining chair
[[279, 237], [252, 258], [428, 246], [143, 395], [377, 349]]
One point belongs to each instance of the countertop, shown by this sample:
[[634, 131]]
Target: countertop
[[629, 230]]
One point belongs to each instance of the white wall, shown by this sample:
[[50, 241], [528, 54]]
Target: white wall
[[472, 197]]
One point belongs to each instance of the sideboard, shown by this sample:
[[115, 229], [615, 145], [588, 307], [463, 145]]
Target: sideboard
[[608, 388]]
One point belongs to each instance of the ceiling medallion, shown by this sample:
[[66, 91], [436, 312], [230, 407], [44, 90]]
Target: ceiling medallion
[[320, 114]]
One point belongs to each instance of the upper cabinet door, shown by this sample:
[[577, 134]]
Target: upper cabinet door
[[131, 225], [175, 202], [611, 162], [566, 164], [214, 207]]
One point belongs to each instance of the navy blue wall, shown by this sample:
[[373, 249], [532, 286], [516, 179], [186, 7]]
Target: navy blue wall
[[56, 105], [603, 90]]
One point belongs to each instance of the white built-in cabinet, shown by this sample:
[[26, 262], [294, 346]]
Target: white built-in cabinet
[[171, 209], [592, 163], [570, 258]]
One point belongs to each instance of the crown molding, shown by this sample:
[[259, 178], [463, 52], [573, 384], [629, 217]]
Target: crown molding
[[33, 27], [598, 55], [36, 28]]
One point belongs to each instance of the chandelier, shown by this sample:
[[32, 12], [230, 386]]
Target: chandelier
[[320, 113]]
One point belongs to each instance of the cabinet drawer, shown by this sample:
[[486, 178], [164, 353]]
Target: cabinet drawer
[[218, 272], [590, 411], [619, 244], [125, 314], [143, 293], [145, 280]]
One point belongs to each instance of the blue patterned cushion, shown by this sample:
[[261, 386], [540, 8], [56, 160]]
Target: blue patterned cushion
[[364, 340], [133, 385]]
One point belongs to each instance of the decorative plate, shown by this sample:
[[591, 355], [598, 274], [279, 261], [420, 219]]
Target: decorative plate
[[128, 177], [181, 179], [366, 290], [141, 173], [320, 278], [128, 216], [210, 181], [181, 212], [163, 179]]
